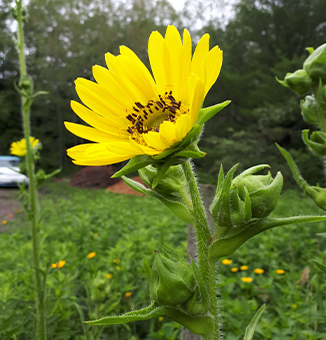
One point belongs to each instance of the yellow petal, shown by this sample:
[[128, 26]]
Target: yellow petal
[[185, 65], [153, 139], [90, 133], [182, 127], [212, 67], [155, 53], [199, 95], [111, 127], [200, 54]]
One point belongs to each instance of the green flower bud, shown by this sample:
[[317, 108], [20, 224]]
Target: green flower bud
[[263, 190], [317, 141], [309, 110], [318, 195], [315, 64], [172, 280], [299, 81]]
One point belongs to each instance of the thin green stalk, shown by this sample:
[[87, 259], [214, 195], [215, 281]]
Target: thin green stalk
[[26, 89], [203, 242]]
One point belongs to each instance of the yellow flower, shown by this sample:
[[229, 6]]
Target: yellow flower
[[96, 234], [18, 211], [226, 262], [234, 269], [128, 294], [108, 276], [61, 264], [246, 279], [54, 265], [294, 306], [118, 268], [258, 271], [244, 267], [19, 148], [280, 271], [91, 255], [116, 261], [4, 222], [129, 113], [10, 215], [160, 318]]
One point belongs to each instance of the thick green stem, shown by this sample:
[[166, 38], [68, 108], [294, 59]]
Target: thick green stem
[[34, 206], [203, 242]]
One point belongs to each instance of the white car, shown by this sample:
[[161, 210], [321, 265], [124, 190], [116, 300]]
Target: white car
[[9, 177]]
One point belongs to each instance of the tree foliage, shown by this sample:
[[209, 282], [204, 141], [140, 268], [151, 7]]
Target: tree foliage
[[264, 38]]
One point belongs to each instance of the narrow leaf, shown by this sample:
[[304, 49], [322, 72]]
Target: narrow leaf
[[134, 164], [253, 323], [137, 186], [148, 270], [320, 265], [209, 112]]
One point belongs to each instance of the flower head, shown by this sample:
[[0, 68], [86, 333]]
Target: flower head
[[130, 113], [246, 279], [19, 148], [259, 271], [61, 264], [108, 276], [226, 262], [4, 222], [280, 271], [128, 294], [91, 255], [294, 306], [234, 269], [96, 234], [244, 267], [54, 265]]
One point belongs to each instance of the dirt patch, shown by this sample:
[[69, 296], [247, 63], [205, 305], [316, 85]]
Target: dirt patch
[[122, 188], [9, 204], [96, 177]]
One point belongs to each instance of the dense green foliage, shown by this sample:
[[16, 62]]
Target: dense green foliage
[[263, 39], [128, 228]]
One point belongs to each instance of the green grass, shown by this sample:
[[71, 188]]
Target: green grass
[[130, 228]]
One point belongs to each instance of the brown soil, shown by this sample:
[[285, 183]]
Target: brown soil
[[95, 177], [122, 188]]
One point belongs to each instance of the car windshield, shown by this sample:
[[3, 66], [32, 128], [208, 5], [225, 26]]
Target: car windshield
[[9, 163]]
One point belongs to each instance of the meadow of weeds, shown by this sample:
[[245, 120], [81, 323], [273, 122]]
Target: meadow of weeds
[[102, 237]]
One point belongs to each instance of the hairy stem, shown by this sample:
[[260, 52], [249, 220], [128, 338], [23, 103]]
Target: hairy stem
[[34, 206], [203, 242]]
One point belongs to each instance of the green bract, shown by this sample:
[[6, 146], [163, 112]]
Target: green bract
[[315, 64], [172, 281], [317, 141], [309, 110], [299, 81], [317, 194]]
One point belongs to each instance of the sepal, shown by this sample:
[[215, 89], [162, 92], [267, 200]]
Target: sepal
[[209, 112], [299, 81], [317, 142], [315, 64]]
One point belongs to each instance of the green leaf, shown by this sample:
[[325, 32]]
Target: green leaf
[[191, 151], [320, 265], [321, 234], [134, 164], [148, 270], [207, 113], [137, 186], [253, 323], [161, 171], [295, 170]]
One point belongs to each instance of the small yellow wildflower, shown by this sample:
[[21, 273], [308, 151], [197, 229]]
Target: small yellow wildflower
[[280, 271], [246, 279], [19, 148], [108, 276], [244, 267], [160, 318], [259, 271], [54, 265], [294, 306], [118, 268], [61, 264], [116, 261], [10, 215], [128, 294], [96, 234], [18, 211], [234, 269], [226, 262], [4, 222], [91, 255]]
